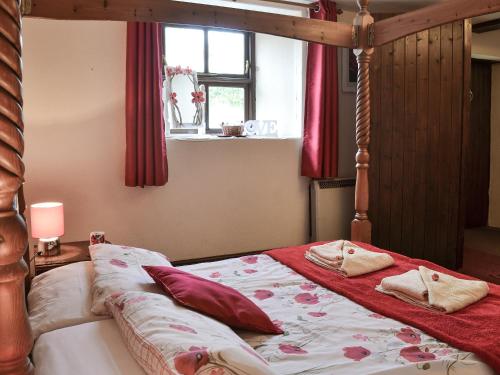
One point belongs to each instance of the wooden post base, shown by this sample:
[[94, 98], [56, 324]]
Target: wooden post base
[[361, 230], [25, 368]]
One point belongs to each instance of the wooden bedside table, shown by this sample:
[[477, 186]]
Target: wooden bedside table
[[71, 252]]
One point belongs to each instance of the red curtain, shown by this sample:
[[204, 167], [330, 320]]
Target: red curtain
[[320, 146], [146, 154]]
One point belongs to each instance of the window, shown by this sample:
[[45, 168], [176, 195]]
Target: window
[[224, 62]]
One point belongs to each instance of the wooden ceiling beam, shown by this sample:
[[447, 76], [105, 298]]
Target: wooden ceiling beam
[[325, 32], [425, 18], [486, 26]]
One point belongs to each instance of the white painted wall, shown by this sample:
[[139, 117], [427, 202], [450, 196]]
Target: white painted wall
[[347, 117], [224, 196], [486, 45], [280, 76]]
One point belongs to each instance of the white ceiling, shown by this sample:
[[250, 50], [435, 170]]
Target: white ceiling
[[486, 17]]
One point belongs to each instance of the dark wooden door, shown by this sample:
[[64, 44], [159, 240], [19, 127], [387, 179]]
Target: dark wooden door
[[418, 86], [477, 172]]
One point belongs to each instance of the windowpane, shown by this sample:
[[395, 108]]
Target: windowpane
[[227, 104], [226, 52], [185, 47]]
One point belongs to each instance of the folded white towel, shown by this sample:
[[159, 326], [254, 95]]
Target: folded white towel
[[331, 265], [450, 293], [434, 290], [348, 259], [331, 251], [358, 261], [409, 283]]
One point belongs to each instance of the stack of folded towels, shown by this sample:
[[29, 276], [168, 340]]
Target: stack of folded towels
[[434, 290], [348, 259]]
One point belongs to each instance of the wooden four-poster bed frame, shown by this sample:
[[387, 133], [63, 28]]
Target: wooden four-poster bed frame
[[365, 34]]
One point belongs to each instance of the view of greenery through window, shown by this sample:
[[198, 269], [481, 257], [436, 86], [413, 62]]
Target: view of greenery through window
[[227, 104], [221, 60]]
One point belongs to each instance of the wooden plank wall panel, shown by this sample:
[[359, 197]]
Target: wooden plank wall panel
[[433, 142], [445, 141], [421, 167], [417, 127], [398, 119], [374, 173], [385, 165], [407, 240], [466, 134], [456, 133]]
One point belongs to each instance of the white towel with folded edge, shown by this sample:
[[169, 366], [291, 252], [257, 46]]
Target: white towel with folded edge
[[443, 293], [348, 259], [409, 283], [358, 261], [449, 293], [331, 251]]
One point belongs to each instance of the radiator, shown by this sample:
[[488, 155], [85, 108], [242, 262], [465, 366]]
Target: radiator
[[332, 208]]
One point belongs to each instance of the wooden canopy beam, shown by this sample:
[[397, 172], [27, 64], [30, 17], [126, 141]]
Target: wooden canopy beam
[[325, 32], [425, 18]]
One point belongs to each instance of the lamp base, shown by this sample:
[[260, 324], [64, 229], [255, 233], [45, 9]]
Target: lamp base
[[48, 247]]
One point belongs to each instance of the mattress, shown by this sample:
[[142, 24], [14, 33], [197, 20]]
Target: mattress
[[325, 333]]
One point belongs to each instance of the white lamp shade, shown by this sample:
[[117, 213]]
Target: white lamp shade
[[47, 220]]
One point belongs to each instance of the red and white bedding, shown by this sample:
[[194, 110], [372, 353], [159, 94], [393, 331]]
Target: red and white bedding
[[325, 332]]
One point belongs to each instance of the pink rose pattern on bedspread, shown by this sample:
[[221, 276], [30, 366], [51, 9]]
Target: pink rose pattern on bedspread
[[326, 333], [168, 339]]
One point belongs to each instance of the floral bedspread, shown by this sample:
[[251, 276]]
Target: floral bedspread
[[326, 333]]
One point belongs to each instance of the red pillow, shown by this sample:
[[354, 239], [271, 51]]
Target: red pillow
[[213, 299]]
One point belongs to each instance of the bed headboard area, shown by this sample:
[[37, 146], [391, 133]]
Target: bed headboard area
[[364, 35]]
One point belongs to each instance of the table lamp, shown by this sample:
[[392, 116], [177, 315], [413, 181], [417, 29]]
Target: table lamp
[[47, 224]]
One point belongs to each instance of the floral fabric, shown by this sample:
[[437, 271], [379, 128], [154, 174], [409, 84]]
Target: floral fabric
[[119, 268], [326, 333], [168, 339]]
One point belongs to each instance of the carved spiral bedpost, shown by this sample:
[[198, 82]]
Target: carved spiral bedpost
[[15, 332], [361, 227]]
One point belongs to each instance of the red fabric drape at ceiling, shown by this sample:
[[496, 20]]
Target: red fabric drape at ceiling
[[320, 146], [146, 154]]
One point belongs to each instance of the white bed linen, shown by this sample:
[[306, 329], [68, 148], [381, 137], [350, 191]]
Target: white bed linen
[[61, 298], [325, 333], [94, 348]]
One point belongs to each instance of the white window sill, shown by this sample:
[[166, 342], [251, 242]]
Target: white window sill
[[214, 137]]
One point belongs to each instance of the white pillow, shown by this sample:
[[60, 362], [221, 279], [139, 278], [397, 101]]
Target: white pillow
[[61, 298], [165, 338], [119, 269]]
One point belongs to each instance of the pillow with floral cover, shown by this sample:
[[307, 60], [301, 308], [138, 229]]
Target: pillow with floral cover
[[119, 268], [168, 339]]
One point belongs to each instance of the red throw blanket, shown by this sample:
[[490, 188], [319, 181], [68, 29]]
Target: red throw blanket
[[475, 328]]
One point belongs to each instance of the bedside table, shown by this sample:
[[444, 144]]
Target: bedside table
[[71, 252]]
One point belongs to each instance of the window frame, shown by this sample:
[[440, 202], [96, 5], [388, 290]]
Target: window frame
[[245, 81]]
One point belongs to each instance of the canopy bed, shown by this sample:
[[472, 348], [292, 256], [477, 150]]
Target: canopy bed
[[16, 338]]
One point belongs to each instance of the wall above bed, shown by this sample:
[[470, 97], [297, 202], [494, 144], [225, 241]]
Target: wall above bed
[[224, 196]]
